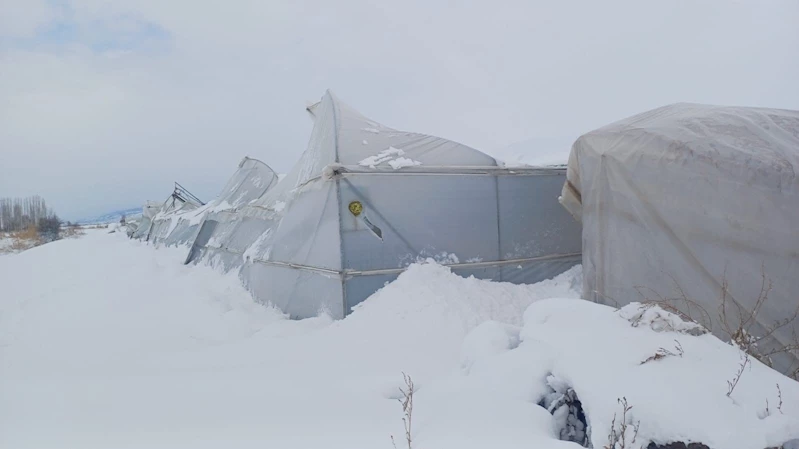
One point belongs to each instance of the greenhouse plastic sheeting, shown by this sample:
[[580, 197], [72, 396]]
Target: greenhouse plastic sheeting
[[179, 224], [149, 211], [685, 199]]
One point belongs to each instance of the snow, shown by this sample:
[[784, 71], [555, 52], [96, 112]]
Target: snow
[[659, 320], [381, 157], [6, 242], [110, 342], [221, 206], [279, 206], [403, 162], [426, 255]]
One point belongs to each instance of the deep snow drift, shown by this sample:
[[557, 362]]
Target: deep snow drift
[[107, 342]]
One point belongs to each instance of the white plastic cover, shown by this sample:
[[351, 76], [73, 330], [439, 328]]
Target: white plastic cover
[[676, 200]]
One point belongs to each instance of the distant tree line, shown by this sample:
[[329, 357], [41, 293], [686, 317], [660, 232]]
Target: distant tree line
[[17, 214]]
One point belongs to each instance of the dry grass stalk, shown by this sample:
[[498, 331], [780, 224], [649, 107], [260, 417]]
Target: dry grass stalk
[[617, 439], [662, 353], [731, 384], [25, 239], [407, 410], [779, 402]]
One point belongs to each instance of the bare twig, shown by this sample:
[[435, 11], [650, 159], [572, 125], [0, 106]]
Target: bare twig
[[739, 323]]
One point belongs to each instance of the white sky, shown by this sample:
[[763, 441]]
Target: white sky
[[104, 104]]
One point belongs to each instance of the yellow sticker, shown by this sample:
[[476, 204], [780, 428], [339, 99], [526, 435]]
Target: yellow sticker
[[356, 208]]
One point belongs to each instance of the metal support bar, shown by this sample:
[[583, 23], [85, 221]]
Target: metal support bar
[[447, 170], [345, 274], [495, 263], [182, 194]]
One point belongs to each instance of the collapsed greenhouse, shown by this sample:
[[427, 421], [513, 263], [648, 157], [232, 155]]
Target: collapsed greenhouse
[[364, 202]]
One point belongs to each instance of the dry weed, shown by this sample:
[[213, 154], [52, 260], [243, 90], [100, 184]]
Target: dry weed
[[25, 239], [407, 410], [617, 438], [662, 353], [731, 384]]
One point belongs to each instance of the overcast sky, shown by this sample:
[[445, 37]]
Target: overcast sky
[[103, 104]]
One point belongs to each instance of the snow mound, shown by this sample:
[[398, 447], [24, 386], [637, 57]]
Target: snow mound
[[432, 291]]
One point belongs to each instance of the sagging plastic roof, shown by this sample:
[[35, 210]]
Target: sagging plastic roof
[[693, 201], [343, 137]]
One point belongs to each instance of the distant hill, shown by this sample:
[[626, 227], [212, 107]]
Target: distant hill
[[111, 217]]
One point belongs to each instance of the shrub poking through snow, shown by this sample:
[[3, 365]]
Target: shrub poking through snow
[[623, 436], [407, 410]]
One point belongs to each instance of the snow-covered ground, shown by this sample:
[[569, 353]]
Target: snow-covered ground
[[14, 243], [107, 342], [6, 242]]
